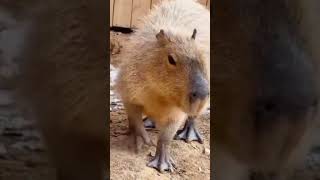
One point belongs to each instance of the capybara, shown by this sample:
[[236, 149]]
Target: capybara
[[266, 87], [164, 73], [55, 52]]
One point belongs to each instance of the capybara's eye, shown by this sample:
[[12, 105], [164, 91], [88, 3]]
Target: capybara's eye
[[171, 60]]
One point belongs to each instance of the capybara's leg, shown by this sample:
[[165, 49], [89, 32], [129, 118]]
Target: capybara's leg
[[162, 160], [136, 127]]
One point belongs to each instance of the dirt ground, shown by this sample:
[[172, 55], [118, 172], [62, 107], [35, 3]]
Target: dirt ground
[[192, 160]]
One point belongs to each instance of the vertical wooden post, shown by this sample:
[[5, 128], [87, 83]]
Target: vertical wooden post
[[122, 13], [111, 11]]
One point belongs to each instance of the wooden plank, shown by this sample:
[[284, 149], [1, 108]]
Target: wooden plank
[[203, 2], [111, 11], [122, 13], [208, 4], [139, 9]]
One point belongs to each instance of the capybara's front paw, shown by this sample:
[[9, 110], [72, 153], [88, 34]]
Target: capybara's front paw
[[162, 161]]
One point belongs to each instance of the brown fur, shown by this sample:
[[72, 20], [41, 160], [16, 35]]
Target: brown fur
[[147, 79]]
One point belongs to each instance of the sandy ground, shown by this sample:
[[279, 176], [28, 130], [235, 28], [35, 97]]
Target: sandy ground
[[192, 159]]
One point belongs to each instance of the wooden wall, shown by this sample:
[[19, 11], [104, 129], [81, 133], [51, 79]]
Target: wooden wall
[[126, 13]]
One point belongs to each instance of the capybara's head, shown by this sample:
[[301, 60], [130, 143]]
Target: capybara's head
[[182, 69], [265, 75]]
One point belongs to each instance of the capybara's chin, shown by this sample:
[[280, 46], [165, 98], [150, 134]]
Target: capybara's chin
[[196, 108]]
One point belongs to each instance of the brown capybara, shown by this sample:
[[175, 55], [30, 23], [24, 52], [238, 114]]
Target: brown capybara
[[57, 52], [165, 73], [266, 87]]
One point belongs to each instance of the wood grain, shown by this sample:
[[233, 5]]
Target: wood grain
[[122, 13], [111, 11]]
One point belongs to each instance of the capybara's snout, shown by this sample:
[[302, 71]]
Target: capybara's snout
[[199, 88]]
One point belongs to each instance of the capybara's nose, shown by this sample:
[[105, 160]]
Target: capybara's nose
[[199, 94], [199, 89]]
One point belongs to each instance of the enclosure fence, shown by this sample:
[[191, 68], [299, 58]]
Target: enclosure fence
[[127, 13]]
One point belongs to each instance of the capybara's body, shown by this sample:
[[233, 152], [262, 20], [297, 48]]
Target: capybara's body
[[166, 62], [59, 51], [266, 87]]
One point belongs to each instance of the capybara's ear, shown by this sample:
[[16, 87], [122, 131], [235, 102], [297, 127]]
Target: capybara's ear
[[194, 34], [163, 39]]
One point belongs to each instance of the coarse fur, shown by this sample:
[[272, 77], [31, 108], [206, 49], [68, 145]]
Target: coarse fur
[[266, 85], [148, 83]]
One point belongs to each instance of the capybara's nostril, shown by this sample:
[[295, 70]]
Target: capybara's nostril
[[200, 93]]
